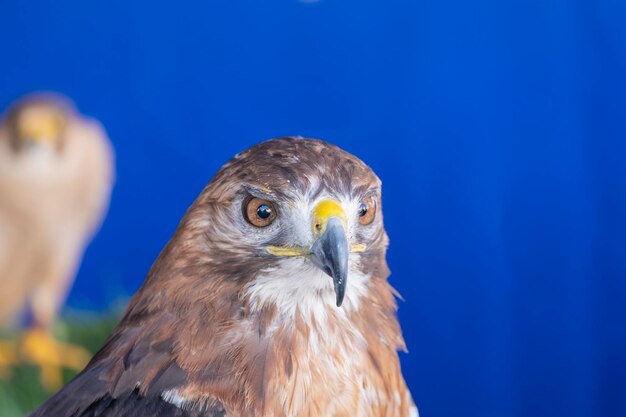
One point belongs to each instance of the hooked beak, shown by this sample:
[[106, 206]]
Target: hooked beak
[[330, 254], [330, 250]]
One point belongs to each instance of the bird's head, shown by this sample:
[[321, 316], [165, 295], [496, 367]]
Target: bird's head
[[38, 121], [293, 218]]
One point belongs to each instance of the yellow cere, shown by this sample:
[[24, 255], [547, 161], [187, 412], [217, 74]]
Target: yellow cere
[[324, 210], [40, 125]]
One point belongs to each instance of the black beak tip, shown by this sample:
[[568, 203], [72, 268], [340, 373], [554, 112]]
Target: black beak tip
[[339, 300], [340, 291]]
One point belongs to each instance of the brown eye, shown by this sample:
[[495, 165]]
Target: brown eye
[[258, 212], [367, 211]]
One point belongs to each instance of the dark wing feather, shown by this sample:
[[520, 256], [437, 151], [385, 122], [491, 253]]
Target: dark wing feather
[[78, 395], [132, 405], [153, 406], [96, 393]]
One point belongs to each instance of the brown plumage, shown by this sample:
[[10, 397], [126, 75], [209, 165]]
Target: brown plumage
[[239, 320]]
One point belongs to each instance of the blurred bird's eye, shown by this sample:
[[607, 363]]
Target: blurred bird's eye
[[367, 210], [258, 212]]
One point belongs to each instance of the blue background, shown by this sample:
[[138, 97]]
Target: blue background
[[498, 128]]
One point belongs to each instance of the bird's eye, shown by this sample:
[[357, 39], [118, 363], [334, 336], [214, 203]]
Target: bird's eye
[[258, 212], [367, 211]]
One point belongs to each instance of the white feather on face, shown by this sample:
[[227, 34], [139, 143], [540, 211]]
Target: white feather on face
[[295, 284]]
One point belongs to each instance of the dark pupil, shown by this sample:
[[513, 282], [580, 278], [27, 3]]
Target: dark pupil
[[264, 211], [362, 209]]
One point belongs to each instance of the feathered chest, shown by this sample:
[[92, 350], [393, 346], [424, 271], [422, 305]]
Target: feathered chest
[[330, 366], [324, 360], [319, 369], [289, 356]]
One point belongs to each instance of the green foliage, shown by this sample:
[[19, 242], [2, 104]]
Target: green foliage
[[22, 392]]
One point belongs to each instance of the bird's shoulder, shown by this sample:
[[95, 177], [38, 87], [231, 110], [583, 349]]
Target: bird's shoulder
[[133, 404], [129, 376], [91, 394]]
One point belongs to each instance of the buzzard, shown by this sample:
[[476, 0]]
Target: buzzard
[[56, 173], [270, 300]]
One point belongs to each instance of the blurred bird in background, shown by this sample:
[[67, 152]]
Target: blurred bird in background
[[56, 175]]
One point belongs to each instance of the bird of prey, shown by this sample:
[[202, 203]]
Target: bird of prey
[[56, 174], [270, 300]]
